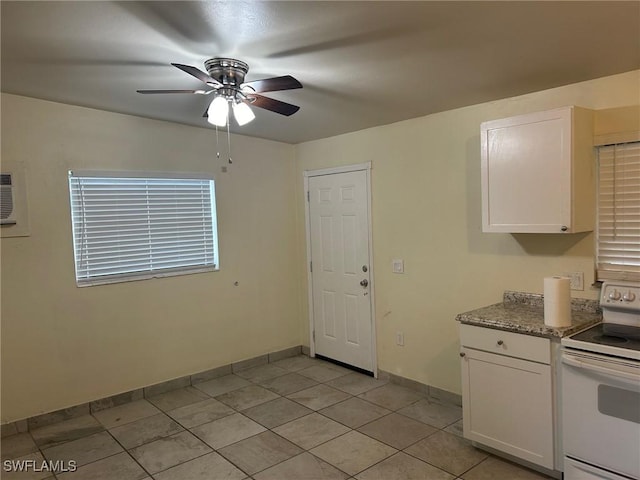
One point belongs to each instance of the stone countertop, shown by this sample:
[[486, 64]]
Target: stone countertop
[[524, 313]]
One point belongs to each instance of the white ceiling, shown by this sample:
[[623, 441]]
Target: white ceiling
[[362, 64]]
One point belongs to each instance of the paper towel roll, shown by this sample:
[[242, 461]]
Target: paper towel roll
[[557, 302]]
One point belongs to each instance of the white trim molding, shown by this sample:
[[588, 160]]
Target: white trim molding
[[330, 171]]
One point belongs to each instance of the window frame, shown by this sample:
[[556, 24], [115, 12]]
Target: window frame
[[92, 280]]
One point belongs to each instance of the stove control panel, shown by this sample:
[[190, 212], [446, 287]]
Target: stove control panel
[[620, 295]]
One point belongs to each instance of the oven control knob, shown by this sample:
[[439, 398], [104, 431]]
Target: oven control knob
[[629, 296], [615, 295]]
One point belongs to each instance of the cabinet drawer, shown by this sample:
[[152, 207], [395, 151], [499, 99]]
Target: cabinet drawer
[[536, 349]]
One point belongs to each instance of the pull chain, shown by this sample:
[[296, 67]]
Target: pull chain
[[229, 140], [217, 145]]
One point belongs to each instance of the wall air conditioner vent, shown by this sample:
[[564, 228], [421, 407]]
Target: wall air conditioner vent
[[7, 210]]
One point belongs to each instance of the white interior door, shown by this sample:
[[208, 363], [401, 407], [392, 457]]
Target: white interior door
[[340, 270]]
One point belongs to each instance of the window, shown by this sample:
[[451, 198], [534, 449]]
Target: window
[[618, 237], [132, 227]]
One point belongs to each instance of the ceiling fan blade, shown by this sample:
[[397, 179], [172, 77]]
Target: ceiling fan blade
[[267, 103], [286, 82], [199, 74], [198, 92]]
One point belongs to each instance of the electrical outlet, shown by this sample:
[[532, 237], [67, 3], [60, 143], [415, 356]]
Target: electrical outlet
[[576, 280], [400, 339]]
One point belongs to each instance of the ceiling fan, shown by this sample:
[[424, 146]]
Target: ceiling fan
[[225, 78]]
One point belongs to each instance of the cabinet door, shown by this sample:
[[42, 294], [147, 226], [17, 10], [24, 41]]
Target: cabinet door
[[526, 173], [507, 405]]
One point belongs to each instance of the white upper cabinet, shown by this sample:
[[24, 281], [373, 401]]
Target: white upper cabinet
[[538, 172]]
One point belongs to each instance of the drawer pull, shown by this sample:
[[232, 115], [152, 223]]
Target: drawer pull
[[500, 342]]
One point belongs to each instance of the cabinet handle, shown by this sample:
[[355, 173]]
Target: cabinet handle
[[500, 342], [564, 228], [462, 354]]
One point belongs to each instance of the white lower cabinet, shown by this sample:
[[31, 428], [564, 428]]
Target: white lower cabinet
[[507, 393]]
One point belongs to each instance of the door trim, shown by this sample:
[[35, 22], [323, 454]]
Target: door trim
[[366, 167]]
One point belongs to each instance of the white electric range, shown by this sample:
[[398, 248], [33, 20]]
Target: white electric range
[[601, 391]]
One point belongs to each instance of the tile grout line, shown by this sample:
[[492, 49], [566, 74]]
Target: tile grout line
[[396, 411], [124, 450], [477, 464], [259, 383], [392, 411], [220, 454], [217, 451], [275, 433], [351, 429]]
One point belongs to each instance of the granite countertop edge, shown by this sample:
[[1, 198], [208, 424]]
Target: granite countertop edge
[[521, 312]]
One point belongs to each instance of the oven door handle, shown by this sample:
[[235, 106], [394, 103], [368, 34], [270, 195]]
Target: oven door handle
[[587, 365]]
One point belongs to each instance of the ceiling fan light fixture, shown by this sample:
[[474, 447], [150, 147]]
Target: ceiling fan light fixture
[[225, 79], [218, 111], [243, 113]]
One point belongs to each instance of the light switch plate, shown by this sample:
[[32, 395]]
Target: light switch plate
[[397, 266]]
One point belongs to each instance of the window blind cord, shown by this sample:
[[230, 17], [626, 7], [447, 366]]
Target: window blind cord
[[83, 231], [147, 197], [613, 193]]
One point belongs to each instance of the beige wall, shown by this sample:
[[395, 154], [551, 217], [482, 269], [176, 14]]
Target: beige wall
[[426, 210], [63, 345]]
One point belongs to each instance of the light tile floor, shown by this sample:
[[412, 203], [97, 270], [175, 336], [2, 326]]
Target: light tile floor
[[295, 419]]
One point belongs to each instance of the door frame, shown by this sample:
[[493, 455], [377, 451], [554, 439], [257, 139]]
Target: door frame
[[366, 167]]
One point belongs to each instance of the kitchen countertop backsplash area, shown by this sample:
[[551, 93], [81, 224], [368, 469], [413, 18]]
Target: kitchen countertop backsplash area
[[524, 313]]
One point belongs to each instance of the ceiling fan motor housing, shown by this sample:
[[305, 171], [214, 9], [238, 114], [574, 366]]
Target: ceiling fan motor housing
[[228, 71]]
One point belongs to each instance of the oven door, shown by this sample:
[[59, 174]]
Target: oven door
[[601, 411], [574, 470]]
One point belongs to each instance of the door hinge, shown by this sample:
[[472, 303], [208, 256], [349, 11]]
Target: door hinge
[[313, 334], [308, 196], [311, 266]]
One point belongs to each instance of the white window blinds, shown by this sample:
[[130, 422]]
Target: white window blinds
[[129, 228], [618, 238]]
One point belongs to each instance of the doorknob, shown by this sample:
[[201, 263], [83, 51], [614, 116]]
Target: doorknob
[[364, 282]]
